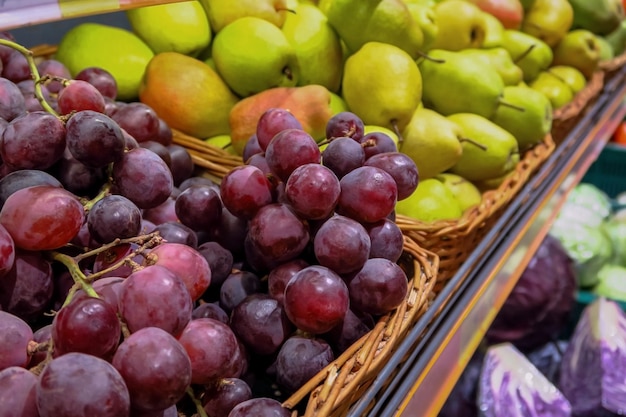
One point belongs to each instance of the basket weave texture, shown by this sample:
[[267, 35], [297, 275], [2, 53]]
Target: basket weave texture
[[611, 67]]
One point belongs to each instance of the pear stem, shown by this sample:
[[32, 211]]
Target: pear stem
[[430, 58], [473, 142], [525, 53], [396, 130], [286, 10], [511, 105]]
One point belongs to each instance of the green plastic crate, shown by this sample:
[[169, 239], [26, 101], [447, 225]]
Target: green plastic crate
[[608, 172]]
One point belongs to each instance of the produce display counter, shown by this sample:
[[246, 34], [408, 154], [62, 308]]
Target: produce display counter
[[421, 374]]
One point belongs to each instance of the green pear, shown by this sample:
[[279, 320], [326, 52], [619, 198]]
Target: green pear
[[599, 16], [317, 46], [570, 76], [337, 103], [606, 50], [499, 59], [382, 85], [424, 16], [253, 55], [387, 21], [431, 201], [223, 12], [460, 25], [580, 49], [556, 90], [461, 83], [432, 141], [532, 123], [529, 53], [478, 164], [183, 27], [466, 193], [617, 39], [222, 142], [494, 30], [548, 20]]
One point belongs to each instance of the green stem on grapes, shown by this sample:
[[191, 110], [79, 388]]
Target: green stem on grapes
[[77, 275], [70, 294], [28, 54], [197, 403], [106, 188]]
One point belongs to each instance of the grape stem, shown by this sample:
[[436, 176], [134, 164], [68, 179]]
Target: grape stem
[[149, 240], [197, 403], [106, 188], [34, 72], [77, 275]]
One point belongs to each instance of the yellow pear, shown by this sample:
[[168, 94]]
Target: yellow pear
[[223, 12], [431, 201]]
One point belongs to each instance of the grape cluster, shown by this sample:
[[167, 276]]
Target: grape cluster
[[136, 287]]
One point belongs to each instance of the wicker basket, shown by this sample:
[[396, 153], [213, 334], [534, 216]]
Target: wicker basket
[[612, 66], [337, 387], [454, 240], [568, 116]]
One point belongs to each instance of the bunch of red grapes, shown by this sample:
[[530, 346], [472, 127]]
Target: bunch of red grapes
[[132, 286]]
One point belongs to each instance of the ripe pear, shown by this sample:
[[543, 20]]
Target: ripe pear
[[548, 20], [187, 94], [317, 46], [498, 155], [466, 193], [382, 85], [532, 55], [431, 201], [117, 50], [569, 75], [386, 21], [606, 50], [530, 121], [337, 103], [598, 16], [580, 49], [461, 25], [493, 32], [424, 16], [252, 55], [552, 87], [461, 83], [432, 141], [183, 27], [500, 59], [223, 12]]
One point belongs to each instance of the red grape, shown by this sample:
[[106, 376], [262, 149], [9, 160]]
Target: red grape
[[279, 276], [345, 124], [299, 360], [53, 68], [159, 149], [288, 150], [222, 396], [210, 311], [164, 212], [16, 335], [244, 190], [101, 79], [113, 217], [368, 194], [260, 407], [12, 102], [220, 261], [377, 142], [79, 95], [23, 178], [273, 121], [379, 287], [199, 207], [94, 139], [341, 244], [386, 239], [175, 232], [182, 165], [251, 147], [401, 167], [111, 256], [347, 332], [42, 335], [77, 177], [165, 134], [139, 120], [237, 286], [313, 191], [7, 251], [18, 393], [343, 155]]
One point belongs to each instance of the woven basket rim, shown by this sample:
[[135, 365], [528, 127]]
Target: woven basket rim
[[574, 107], [613, 64]]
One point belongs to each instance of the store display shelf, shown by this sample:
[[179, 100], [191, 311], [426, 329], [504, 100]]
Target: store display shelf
[[21, 13], [422, 372]]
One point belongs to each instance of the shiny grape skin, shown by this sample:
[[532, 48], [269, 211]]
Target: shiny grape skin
[[186, 262], [273, 121], [316, 299], [113, 217], [343, 155], [342, 244], [386, 239], [165, 135], [139, 120], [94, 139], [300, 359], [260, 407], [34, 140], [42, 217], [377, 142], [313, 191], [175, 232], [279, 276], [88, 325], [244, 190], [401, 167], [155, 297], [7, 252], [181, 163], [12, 102], [210, 311], [258, 160], [288, 150], [77, 177], [251, 147], [237, 286], [211, 346], [368, 194], [159, 149], [261, 324], [346, 333], [222, 396], [199, 207], [24, 178], [90, 387], [345, 124], [231, 232], [111, 256], [49, 66], [379, 287], [18, 393], [101, 79], [143, 178], [164, 212], [220, 261], [79, 95], [155, 368], [16, 334]]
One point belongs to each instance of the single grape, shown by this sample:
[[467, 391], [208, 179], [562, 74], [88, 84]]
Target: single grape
[[7, 252], [237, 286], [101, 79], [210, 345], [347, 332], [182, 165], [222, 396], [164, 212], [279, 276], [54, 68], [159, 149], [231, 232], [343, 155], [184, 261], [42, 217], [24, 178], [139, 120], [261, 324], [273, 121], [18, 393], [199, 207], [109, 289], [94, 138], [165, 136], [300, 359], [386, 239], [33, 141], [368, 194], [12, 103], [341, 244], [77, 177], [345, 124], [260, 407], [113, 217], [258, 160], [313, 191], [289, 149], [16, 67], [196, 180], [377, 142], [88, 325], [155, 297], [90, 387], [78, 95], [244, 190], [251, 147], [220, 261], [16, 335], [175, 232], [143, 177], [401, 167], [379, 287], [210, 311], [316, 299], [155, 368]]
